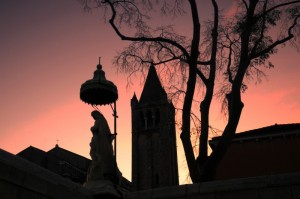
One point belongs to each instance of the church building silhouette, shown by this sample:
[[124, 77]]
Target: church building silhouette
[[154, 153]]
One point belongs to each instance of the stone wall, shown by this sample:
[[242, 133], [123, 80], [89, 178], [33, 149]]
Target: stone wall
[[285, 186]]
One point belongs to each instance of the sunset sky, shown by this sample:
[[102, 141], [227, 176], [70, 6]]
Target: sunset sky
[[48, 48]]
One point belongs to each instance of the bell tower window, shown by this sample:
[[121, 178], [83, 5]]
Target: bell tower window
[[157, 117], [149, 118], [142, 120]]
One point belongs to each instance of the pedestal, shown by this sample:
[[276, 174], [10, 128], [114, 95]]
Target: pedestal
[[103, 189]]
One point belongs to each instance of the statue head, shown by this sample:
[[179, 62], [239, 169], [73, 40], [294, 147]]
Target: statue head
[[96, 114]]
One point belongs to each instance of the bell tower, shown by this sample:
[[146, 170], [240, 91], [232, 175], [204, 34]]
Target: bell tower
[[154, 152]]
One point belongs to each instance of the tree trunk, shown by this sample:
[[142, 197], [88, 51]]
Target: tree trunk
[[204, 111], [235, 107], [210, 83], [185, 134], [235, 104], [189, 95]]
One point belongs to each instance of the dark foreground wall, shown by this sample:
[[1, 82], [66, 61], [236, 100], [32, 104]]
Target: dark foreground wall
[[265, 187], [21, 179]]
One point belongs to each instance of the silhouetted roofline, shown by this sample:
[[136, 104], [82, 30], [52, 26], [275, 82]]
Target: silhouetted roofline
[[70, 152], [276, 128], [31, 148], [264, 132]]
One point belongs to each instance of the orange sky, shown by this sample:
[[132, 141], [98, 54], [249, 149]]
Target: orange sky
[[49, 48]]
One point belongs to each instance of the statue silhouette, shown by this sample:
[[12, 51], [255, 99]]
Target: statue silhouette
[[103, 165]]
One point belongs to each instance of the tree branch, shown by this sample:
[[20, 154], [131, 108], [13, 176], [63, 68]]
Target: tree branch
[[278, 6], [245, 4], [278, 42], [202, 77], [203, 62], [230, 79], [263, 28], [143, 38]]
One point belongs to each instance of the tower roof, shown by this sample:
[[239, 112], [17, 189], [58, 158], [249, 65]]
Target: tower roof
[[153, 90]]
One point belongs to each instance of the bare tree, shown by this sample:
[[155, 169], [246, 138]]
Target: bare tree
[[236, 48], [250, 45]]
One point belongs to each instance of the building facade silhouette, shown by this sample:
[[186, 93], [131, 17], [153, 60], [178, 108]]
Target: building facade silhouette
[[60, 161], [154, 152], [269, 150]]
